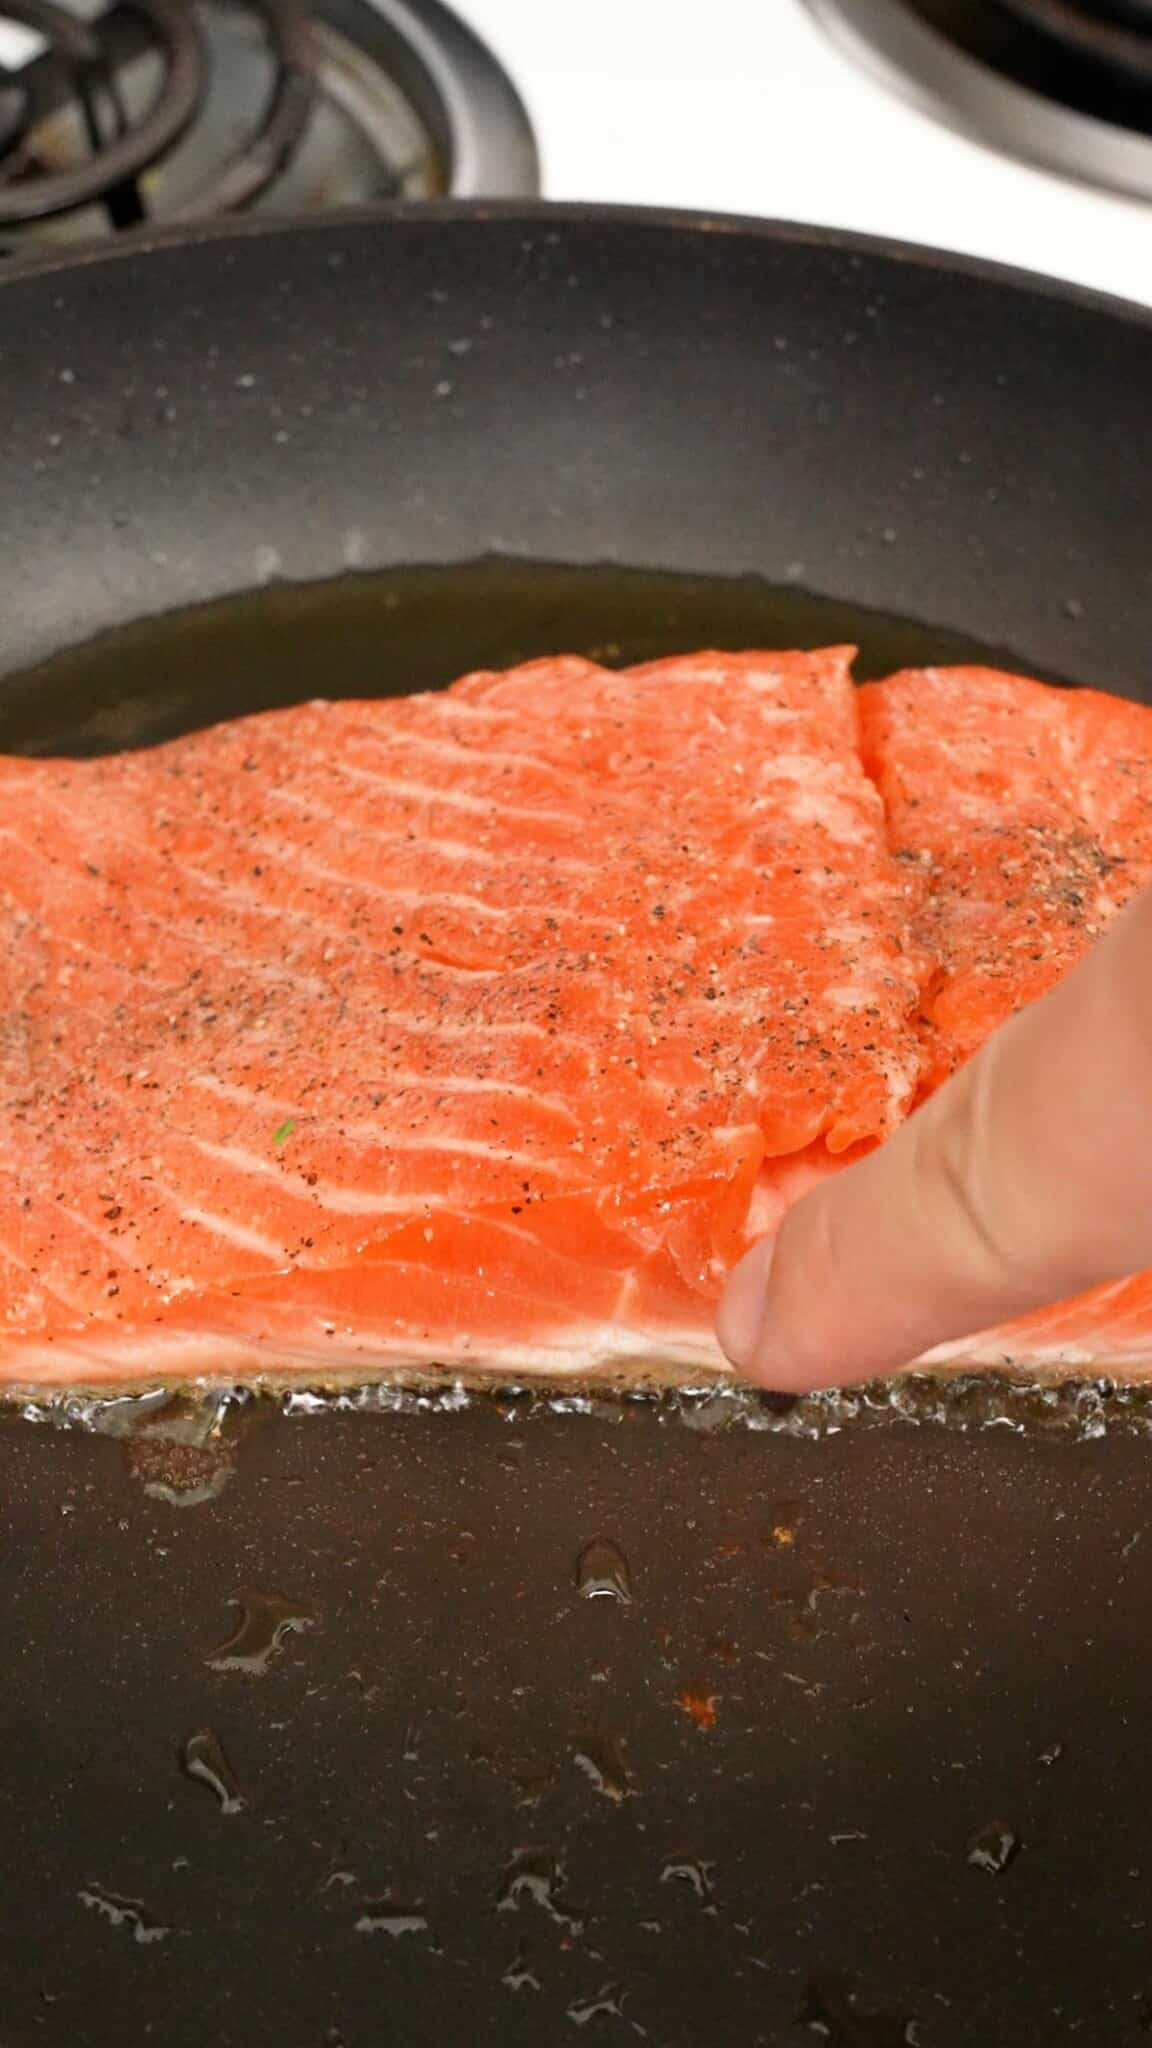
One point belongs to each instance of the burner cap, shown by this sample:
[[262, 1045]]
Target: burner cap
[[1064, 83]]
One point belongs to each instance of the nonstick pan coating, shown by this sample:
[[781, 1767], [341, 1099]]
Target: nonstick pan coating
[[862, 1758], [938, 441]]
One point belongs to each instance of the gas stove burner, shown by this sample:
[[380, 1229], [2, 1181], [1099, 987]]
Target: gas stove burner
[[1063, 83], [172, 110]]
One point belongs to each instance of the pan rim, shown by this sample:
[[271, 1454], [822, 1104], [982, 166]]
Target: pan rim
[[535, 213]]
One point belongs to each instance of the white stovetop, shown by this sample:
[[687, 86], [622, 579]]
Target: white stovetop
[[747, 106]]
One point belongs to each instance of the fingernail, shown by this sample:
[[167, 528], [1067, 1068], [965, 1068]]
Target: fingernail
[[740, 1316]]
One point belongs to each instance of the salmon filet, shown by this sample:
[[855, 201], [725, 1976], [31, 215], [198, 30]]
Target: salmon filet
[[481, 1031], [470, 1030]]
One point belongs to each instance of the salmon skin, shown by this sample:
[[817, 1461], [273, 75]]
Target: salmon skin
[[480, 1031]]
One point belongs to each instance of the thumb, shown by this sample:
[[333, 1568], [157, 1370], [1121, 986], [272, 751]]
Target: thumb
[[1026, 1178]]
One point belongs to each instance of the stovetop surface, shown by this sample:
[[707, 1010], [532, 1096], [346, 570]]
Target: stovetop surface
[[793, 109]]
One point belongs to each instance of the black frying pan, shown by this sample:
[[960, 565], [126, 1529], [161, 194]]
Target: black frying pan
[[879, 1699]]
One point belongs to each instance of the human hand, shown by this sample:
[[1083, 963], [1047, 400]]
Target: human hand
[[1026, 1178]]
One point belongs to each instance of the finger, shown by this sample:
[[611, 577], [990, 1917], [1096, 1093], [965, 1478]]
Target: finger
[[1025, 1179]]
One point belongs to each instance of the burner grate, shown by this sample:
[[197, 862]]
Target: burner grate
[[179, 110], [252, 167], [75, 65], [79, 65]]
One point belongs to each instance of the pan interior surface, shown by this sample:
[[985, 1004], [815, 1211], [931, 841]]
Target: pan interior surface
[[847, 1749], [502, 1722], [937, 442]]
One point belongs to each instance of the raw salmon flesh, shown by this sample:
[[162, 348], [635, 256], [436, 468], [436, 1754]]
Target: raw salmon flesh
[[480, 1031]]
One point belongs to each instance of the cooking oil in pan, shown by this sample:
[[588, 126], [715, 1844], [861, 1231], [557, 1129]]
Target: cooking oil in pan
[[204, 1758], [131, 1914], [603, 1573], [520, 1976], [696, 1875], [606, 2003], [383, 1916], [967, 1403], [265, 1622], [602, 1760], [400, 630], [535, 1877]]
